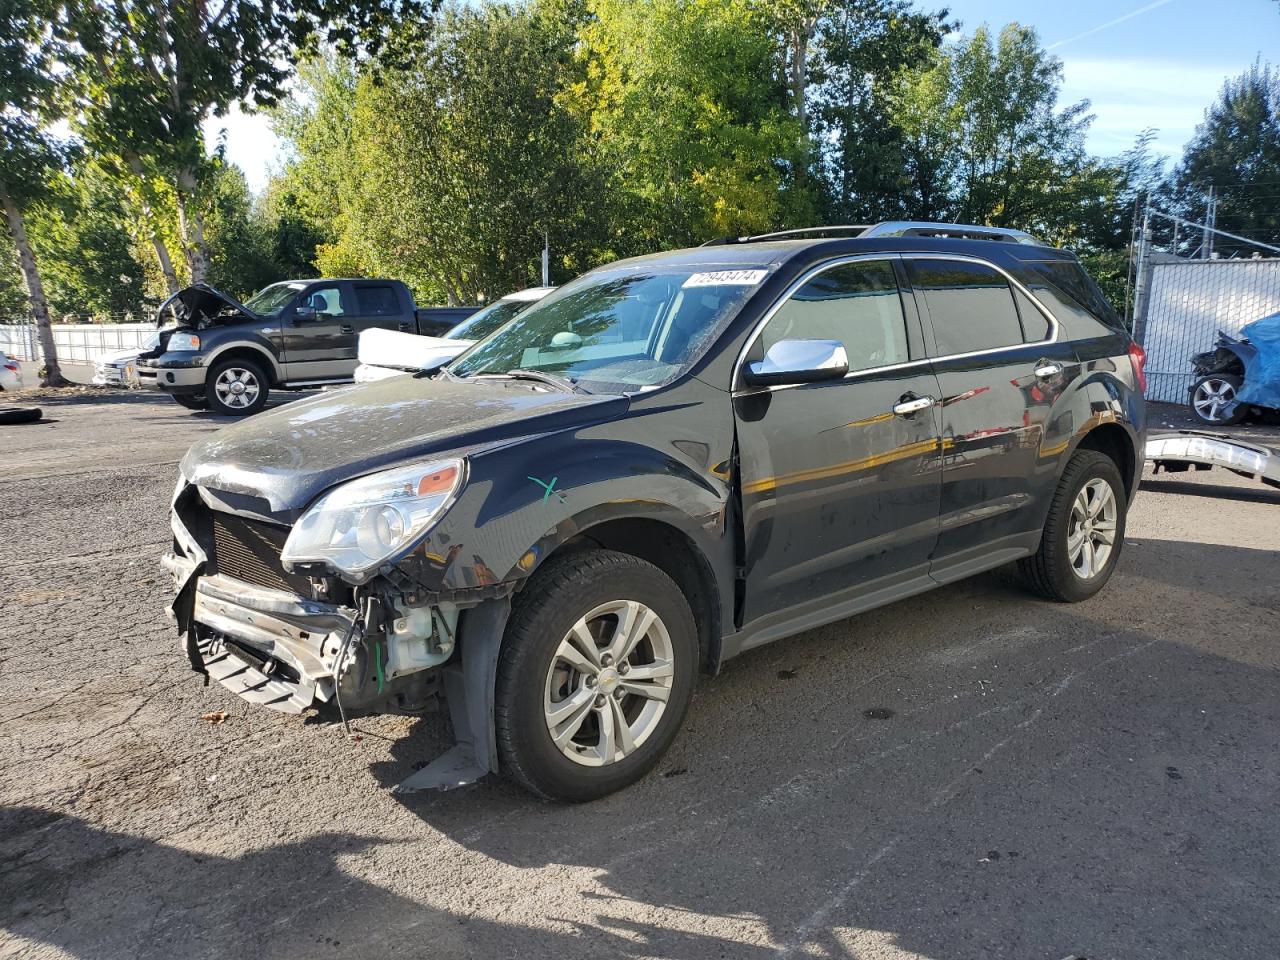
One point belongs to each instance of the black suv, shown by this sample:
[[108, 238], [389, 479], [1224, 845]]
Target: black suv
[[664, 463]]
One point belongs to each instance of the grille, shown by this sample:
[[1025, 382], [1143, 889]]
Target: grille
[[249, 550]]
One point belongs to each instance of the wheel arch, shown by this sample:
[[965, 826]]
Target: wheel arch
[[1113, 441], [673, 552], [244, 351]]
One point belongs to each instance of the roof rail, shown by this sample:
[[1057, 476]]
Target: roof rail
[[964, 231], [894, 228], [857, 228]]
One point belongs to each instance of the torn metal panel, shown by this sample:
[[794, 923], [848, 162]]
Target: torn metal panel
[[1181, 451]]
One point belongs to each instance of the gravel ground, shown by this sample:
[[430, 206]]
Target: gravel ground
[[1097, 780]]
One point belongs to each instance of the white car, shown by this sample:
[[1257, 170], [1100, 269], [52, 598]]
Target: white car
[[10, 374], [119, 369], [386, 353]]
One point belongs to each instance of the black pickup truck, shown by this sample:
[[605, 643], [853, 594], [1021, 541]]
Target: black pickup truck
[[219, 354]]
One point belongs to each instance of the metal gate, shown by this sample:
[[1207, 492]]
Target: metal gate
[[1188, 302]]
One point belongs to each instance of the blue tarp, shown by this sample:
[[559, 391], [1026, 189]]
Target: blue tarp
[[1262, 374]]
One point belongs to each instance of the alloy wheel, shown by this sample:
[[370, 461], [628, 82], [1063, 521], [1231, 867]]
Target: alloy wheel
[[237, 387], [1211, 398], [608, 683], [1091, 532]]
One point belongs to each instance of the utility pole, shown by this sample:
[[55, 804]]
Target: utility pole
[[546, 258], [1206, 238], [1142, 275]]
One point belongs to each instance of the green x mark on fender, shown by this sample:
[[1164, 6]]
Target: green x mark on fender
[[548, 487]]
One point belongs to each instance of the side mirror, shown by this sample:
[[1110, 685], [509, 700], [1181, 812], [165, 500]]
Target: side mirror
[[798, 361], [302, 314]]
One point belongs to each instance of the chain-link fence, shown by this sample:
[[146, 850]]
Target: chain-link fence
[[1188, 302]]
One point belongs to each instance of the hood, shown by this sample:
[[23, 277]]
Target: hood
[[291, 454], [407, 351], [118, 356], [200, 306]]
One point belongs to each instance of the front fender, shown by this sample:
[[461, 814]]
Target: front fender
[[524, 500]]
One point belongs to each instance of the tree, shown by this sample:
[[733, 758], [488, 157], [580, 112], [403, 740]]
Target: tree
[[862, 47], [1236, 150], [29, 157], [149, 72], [457, 163], [688, 110], [85, 235]]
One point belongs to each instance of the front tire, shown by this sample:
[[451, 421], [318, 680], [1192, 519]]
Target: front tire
[[236, 388], [1084, 532], [1211, 394], [595, 674]]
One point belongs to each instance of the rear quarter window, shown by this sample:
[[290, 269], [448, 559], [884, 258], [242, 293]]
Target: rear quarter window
[[1071, 294]]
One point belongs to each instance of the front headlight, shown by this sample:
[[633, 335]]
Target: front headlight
[[183, 341], [358, 526]]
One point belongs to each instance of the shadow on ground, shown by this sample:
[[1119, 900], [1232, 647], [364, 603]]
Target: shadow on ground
[[1065, 782]]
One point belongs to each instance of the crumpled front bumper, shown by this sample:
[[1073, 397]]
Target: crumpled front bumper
[[271, 648]]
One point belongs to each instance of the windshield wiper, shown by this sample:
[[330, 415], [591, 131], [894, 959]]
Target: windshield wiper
[[564, 383]]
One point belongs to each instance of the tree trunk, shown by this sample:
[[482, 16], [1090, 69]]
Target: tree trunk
[[800, 37], [157, 240], [35, 290], [191, 222]]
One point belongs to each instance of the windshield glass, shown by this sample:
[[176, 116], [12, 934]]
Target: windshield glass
[[620, 329], [482, 323], [269, 301]]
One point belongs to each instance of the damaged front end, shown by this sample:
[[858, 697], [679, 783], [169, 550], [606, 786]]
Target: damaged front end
[[291, 642]]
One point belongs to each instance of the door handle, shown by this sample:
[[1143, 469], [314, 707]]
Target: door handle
[[910, 405], [347, 328], [1046, 370]]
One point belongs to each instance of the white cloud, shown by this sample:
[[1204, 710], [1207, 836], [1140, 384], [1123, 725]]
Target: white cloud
[[1128, 96], [250, 144]]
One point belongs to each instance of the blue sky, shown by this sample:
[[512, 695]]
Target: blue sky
[[1160, 66]]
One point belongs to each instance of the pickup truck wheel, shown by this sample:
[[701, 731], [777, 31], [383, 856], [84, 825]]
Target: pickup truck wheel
[[236, 388], [1084, 532], [191, 401], [595, 674]]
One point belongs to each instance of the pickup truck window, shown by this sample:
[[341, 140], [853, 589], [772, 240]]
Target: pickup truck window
[[269, 301], [618, 330], [376, 301], [327, 301]]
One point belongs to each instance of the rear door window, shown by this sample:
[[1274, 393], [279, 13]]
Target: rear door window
[[326, 301], [376, 301], [858, 304], [971, 305]]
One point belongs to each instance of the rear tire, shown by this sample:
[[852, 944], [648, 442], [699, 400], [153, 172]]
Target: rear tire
[[613, 716], [191, 401], [1210, 393], [236, 388], [1083, 533]]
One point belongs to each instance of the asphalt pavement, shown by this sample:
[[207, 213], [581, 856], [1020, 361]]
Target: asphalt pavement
[[969, 774]]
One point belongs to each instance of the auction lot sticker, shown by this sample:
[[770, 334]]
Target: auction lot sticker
[[726, 278]]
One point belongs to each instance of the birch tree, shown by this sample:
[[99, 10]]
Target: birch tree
[[29, 157]]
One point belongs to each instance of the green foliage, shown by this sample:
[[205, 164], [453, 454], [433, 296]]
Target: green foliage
[[687, 110], [1237, 150], [13, 292], [240, 253], [863, 48], [447, 172], [89, 267]]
